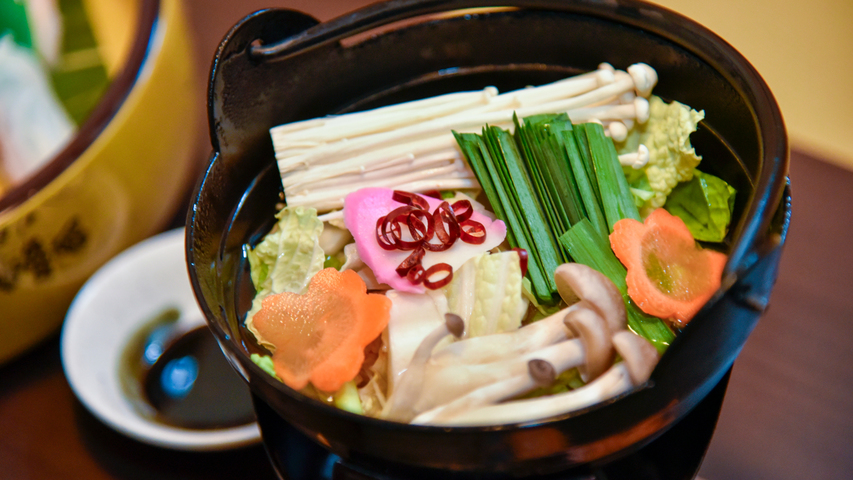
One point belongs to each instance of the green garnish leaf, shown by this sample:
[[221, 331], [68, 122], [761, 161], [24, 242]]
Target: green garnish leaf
[[705, 204]]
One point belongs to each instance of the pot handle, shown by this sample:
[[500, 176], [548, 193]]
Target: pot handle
[[233, 72], [385, 12], [753, 286]]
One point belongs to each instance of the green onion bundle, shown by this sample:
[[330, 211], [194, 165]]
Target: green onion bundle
[[560, 189]]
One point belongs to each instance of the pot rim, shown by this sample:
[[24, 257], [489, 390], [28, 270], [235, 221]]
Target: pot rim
[[679, 30]]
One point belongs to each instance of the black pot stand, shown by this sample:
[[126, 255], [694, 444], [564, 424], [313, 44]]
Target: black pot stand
[[676, 455]]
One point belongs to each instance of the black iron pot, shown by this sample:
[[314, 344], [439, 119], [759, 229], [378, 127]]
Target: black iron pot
[[278, 66]]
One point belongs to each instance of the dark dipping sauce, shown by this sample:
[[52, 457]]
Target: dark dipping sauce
[[184, 381]]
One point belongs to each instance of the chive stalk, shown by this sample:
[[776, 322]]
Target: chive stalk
[[587, 185], [616, 198], [506, 159], [479, 155], [546, 159]]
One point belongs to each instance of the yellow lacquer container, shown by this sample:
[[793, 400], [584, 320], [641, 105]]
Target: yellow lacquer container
[[121, 179]]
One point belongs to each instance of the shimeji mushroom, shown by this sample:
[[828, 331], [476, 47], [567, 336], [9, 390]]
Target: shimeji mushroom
[[591, 352], [576, 281], [540, 373], [491, 368], [617, 130], [497, 346], [636, 160], [427, 384], [639, 358], [645, 78]]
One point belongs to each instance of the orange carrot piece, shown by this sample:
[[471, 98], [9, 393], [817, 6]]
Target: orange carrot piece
[[669, 275], [320, 336]]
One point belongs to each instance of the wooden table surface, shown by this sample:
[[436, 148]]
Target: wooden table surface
[[788, 413]]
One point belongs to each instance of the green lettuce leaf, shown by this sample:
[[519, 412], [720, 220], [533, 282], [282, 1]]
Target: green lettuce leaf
[[672, 158], [265, 362], [346, 398], [705, 203]]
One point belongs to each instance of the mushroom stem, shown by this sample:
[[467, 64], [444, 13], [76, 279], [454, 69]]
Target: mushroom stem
[[637, 109], [617, 380], [592, 331], [499, 346], [424, 386], [639, 359], [601, 95], [396, 165], [566, 88], [454, 170], [410, 386], [638, 159], [324, 130], [350, 157], [540, 373], [453, 325], [468, 385]]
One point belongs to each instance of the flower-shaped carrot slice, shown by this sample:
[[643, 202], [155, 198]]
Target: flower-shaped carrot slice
[[320, 336], [669, 274]]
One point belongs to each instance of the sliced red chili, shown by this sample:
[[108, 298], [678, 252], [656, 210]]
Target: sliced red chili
[[522, 259], [409, 198], [438, 268], [413, 259], [447, 224], [472, 231], [400, 212], [382, 238], [433, 193], [420, 230], [462, 209], [416, 274], [447, 236], [391, 225]]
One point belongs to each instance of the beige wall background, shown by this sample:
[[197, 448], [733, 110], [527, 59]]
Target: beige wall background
[[804, 51], [802, 48]]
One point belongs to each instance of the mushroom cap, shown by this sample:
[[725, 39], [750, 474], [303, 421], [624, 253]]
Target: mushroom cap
[[542, 372], [645, 78], [639, 355], [577, 281], [455, 324], [594, 335]]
